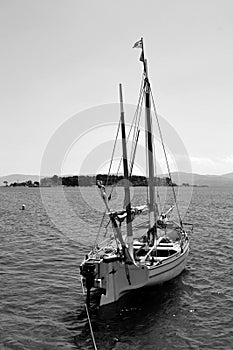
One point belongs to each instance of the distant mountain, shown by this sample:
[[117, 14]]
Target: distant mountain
[[229, 175], [200, 180], [18, 178]]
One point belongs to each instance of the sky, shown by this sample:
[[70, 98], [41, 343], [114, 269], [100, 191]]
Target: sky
[[61, 58]]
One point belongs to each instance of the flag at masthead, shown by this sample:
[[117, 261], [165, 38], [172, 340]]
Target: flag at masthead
[[139, 45]]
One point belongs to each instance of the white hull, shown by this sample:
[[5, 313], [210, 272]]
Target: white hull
[[115, 278], [171, 268], [118, 285]]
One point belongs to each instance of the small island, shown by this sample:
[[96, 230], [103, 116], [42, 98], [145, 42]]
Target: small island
[[87, 180], [28, 183], [188, 185]]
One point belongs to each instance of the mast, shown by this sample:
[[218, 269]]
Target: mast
[[149, 138], [150, 150], [126, 176]]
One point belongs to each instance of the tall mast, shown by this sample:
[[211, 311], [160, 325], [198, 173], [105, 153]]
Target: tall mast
[[126, 175], [149, 137], [150, 150]]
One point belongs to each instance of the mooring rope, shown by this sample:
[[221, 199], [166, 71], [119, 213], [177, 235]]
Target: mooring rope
[[91, 330], [89, 321]]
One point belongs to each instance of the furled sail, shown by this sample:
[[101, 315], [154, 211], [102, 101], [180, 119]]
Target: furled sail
[[122, 214]]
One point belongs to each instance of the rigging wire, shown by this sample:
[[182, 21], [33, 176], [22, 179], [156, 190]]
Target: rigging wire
[[166, 159], [119, 165], [136, 131], [113, 152], [100, 226], [158, 201], [133, 123], [109, 170], [136, 121], [134, 154]]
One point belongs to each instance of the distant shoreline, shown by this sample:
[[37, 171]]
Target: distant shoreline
[[180, 179]]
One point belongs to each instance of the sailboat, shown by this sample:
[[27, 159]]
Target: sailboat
[[123, 264]]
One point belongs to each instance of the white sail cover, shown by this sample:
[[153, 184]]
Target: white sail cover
[[122, 214]]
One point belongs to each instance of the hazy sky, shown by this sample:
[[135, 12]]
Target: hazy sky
[[60, 57]]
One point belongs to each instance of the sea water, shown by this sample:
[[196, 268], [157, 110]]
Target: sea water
[[41, 300]]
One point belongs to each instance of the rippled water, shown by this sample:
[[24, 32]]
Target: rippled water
[[41, 302]]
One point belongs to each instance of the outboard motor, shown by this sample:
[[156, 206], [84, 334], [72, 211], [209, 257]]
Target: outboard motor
[[88, 271]]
